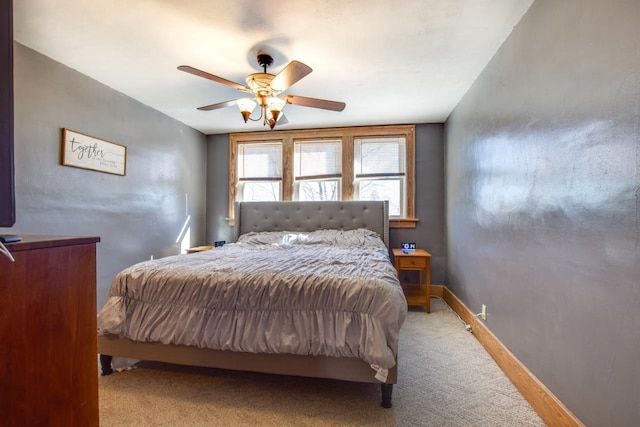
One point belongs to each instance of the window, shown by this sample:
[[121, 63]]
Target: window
[[361, 163], [259, 172], [317, 170], [380, 172]]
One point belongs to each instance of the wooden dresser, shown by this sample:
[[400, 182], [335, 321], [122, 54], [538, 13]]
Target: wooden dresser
[[48, 360]]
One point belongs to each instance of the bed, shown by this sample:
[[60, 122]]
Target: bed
[[296, 304]]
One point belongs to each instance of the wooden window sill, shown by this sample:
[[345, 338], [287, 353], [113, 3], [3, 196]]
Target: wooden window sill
[[403, 223]]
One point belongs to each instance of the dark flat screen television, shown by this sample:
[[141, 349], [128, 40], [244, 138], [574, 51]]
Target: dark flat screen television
[[7, 186]]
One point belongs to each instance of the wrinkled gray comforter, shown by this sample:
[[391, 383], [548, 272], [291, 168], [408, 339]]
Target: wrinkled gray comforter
[[328, 293]]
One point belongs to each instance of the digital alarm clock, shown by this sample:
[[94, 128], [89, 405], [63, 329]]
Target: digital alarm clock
[[408, 247]]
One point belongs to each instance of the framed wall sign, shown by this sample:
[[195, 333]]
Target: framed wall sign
[[88, 152]]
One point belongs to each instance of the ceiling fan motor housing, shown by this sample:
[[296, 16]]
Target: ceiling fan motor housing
[[260, 84]]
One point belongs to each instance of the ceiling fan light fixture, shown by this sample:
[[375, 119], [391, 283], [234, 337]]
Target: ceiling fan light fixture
[[275, 106], [246, 106], [271, 117]]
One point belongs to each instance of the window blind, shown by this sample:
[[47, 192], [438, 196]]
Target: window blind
[[379, 157], [260, 161], [317, 159]]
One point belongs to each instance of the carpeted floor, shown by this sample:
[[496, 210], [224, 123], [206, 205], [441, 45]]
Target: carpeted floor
[[445, 378]]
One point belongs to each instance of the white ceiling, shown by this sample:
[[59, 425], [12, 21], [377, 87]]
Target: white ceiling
[[391, 62]]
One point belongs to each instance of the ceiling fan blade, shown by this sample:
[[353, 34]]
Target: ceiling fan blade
[[219, 105], [314, 102], [292, 73], [208, 76]]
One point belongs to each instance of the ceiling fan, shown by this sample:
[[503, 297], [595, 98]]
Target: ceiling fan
[[265, 88]]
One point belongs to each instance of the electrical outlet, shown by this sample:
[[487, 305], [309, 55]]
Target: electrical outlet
[[484, 312]]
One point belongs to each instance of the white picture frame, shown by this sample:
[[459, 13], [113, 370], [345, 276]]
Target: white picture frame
[[84, 151]]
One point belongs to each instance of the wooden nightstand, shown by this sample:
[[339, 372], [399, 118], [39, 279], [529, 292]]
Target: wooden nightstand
[[199, 249], [419, 260]]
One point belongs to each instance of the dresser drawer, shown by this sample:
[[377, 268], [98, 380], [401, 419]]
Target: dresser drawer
[[412, 262]]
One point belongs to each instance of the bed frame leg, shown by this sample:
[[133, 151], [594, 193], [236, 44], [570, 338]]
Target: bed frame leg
[[387, 389], [105, 364]]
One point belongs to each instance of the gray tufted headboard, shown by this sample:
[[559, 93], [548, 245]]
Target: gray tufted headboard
[[311, 216]]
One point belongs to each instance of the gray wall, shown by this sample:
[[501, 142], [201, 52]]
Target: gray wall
[[429, 233], [218, 189], [137, 215], [543, 174]]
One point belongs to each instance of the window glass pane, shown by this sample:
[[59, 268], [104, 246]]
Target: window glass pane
[[380, 156], [260, 160], [317, 158], [383, 189], [318, 190], [257, 191]]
